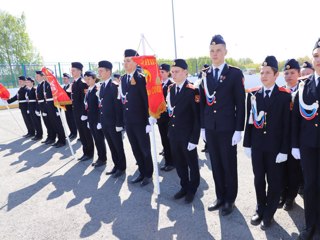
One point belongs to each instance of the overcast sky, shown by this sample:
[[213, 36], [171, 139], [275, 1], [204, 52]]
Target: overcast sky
[[78, 30]]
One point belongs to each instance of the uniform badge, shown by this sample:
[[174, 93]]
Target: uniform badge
[[133, 81], [265, 64], [304, 65], [288, 67], [213, 43]]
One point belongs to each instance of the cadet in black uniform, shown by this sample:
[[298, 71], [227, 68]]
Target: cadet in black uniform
[[33, 109], [292, 174], [78, 92], [266, 140], [306, 69], [134, 98], [184, 129], [23, 106], [93, 113], [51, 134], [163, 121], [222, 120], [69, 111], [111, 118], [306, 145]]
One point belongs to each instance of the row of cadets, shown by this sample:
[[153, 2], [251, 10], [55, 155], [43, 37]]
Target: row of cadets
[[52, 113], [33, 109], [163, 121], [23, 106], [306, 144], [69, 110], [93, 117], [78, 91], [111, 117], [222, 120], [266, 140], [184, 129], [134, 98]]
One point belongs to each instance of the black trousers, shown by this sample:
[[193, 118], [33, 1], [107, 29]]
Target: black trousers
[[310, 161], [115, 144], [36, 122], [292, 178], [140, 145], [85, 135], [70, 120], [99, 142], [223, 157], [55, 121], [265, 167], [163, 129], [186, 163], [50, 130], [27, 121]]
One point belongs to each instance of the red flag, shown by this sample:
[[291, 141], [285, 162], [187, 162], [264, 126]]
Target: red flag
[[4, 93], [60, 97], [156, 101]]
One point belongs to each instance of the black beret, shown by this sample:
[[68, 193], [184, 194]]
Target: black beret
[[291, 64], [306, 64], [317, 45], [23, 78], [270, 61], [40, 73], [116, 75], [30, 79], [66, 75], [105, 64], [180, 63], [130, 53], [165, 67], [90, 74], [217, 39], [77, 65]]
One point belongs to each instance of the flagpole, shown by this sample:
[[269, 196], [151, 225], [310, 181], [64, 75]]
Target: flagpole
[[6, 104]]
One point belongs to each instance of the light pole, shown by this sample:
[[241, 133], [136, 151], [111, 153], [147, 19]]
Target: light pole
[[174, 31]]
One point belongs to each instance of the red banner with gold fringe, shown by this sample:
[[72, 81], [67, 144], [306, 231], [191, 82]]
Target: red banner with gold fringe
[[4, 93]]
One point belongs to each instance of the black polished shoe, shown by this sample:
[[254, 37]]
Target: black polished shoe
[[215, 205], [85, 158], [168, 168], [281, 202], [71, 136], [306, 234], [137, 179], [180, 194], [45, 141], [189, 198], [145, 181], [36, 138], [49, 142], [54, 144], [288, 205], [118, 173], [59, 144], [114, 169], [265, 224], [28, 135], [163, 167], [256, 219], [227, 209], [301, 190], [99, 163], [79, 159]]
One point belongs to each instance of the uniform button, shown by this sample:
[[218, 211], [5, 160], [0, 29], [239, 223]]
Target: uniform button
[[174, 116], [316, 125], [172, 125], [215, 111], [265, 132], [127, 108]]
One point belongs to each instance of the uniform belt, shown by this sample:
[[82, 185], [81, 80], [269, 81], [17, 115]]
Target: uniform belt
[[22, 101], [40, 101], [32, 100], [49, 99]]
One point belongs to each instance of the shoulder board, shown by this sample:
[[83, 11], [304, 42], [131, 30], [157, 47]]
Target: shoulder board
[[190, 85], [283, 89], [141, 74], [234, 67], [253, 89], [170, 86], [82, 80], [115, 82]]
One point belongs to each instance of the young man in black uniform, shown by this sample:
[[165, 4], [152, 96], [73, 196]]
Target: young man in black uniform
[[33, 108], [184, 129], [163, 121], [111, 118], [79, 87], [222, 120], [69, 111], [306, 144], [23, 106], [134, 98], [266, 140]]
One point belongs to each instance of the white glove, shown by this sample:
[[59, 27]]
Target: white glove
[[58, 114], [203, 134], [44, 114], [88, 125], [148, 128], [28, 112], [119, 129], [99, 126], [83, 118], [191, 146], [236, 138], [281, 157], [152, 120], [296, 153], [247, 151], [38, 113]]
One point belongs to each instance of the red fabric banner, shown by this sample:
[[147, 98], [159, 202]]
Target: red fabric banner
[[4, 93], [157, 104], [60, 97]]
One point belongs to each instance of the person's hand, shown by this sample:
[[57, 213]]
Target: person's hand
[[152, 120], [203, 134], [191, 146], [83, 118], [236, 138], [295, 152], [119, 129], [281, 157], [99, 126], [148, 128]]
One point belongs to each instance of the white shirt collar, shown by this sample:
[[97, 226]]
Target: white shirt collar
[[106, 81], [316, 76], [165, 82], [90, 88], [181, 84], [271, 89]]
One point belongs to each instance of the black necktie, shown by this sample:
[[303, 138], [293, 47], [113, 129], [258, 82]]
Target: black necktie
[[216, 72], [318, 87], [128, 79], [267, 98], [178, 90]]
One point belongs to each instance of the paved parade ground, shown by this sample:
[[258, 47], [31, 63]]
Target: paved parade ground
[[45, 194]]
